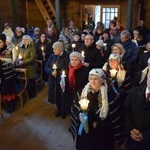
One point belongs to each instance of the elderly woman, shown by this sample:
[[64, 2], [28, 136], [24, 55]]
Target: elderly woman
[[76, 79], [118, 75], [25, 58], [101, 121], [56, 63], [7, 82]]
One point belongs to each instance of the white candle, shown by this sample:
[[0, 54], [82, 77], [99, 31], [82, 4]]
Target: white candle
[[42, 48], [73, 45], [63, 73], [82, 53], [113, 72], [54, 67], [20, 57], [84, 104]]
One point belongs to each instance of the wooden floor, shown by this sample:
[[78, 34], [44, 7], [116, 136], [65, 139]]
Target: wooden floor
[[35, 127]]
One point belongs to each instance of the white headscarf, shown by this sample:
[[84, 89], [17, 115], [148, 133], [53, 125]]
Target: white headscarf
[[102, 97]]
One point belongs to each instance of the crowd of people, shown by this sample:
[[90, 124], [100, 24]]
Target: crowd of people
[[108, 69]]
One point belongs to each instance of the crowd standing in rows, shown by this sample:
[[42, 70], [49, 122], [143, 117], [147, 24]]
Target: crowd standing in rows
[[108, 68]]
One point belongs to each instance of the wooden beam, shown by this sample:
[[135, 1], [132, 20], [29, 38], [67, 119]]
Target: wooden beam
[[51, 7], [42, 9]]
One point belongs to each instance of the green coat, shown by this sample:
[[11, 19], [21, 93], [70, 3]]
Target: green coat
[[28, 57]]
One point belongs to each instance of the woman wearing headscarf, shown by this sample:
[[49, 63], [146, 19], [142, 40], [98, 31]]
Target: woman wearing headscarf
[[7, 80], [118, 76], [25, 58], [101, 125]]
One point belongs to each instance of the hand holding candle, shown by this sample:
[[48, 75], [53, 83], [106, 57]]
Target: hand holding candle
[[73, 46], [84, 104], [20, 62], [105, 46], [42, 48], [54, 72], [82, 53], [62, 81], [83, 116]]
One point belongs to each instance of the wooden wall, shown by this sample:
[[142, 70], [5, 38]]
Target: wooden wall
[[20, 12], [14, 12]]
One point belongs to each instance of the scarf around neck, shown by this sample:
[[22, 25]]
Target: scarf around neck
[[72, 75]]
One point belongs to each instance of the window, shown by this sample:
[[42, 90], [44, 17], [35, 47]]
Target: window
[[108, 13]]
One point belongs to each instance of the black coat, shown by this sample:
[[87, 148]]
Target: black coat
[[92, 56], [103, 135], [137, 115], [54, 93], [143, 58], [81, 79]]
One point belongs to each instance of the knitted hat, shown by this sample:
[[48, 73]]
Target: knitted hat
[[114, 56], [3, 37], [58, 46], [76, 54], [37, 29], [100, 42], [120, 47], [98, 72]]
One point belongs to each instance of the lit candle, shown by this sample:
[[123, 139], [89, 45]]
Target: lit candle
[[63, 73], [84, 104], [82, 53], [16, 47], [54, 67], [20, 57], [73, 46], [105, 46], [42, 48], [86, 23], [113, 72]]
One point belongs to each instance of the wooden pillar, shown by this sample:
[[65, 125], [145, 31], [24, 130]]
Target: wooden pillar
[[129, 15], [57, 7]]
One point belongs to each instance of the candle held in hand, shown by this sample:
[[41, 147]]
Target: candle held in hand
[[84, 104]]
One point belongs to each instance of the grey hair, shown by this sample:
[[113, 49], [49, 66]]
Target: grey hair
[[126, 33]]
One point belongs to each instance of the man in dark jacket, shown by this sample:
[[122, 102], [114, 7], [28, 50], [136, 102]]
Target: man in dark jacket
[[130, 56], [137, 117], [92, 57]]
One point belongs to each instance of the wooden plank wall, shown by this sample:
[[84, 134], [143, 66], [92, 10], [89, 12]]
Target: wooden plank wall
[[14, 12]]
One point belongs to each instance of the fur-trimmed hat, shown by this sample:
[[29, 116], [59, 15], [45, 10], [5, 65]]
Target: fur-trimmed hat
[[58, 46], [100, 42], [3, 37], [114, 56], [76, 54]]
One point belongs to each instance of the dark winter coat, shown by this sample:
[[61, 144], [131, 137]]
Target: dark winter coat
[[143, 58], [81, 79], [54, 93], [137, 115], [103, 135], [92, 56]]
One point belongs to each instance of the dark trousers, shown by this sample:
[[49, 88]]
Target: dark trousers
[[31, 88]]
